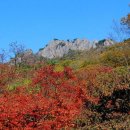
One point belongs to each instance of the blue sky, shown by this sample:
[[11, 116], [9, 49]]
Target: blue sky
[[35, 22]]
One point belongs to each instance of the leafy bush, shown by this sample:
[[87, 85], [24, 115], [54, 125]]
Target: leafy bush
[[57, 103]]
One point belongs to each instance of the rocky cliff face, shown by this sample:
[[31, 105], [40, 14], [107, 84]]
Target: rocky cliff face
[[58, 48]]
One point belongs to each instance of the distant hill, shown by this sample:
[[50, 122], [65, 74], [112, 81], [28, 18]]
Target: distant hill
[[58, 48], [63, 49]]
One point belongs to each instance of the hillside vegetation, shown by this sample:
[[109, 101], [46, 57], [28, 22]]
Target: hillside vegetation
[[88, 89]]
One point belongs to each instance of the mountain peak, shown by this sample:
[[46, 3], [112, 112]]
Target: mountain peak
[[57, 48]]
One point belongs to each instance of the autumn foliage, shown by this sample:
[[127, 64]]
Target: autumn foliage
[[54, 105], [46, 97]]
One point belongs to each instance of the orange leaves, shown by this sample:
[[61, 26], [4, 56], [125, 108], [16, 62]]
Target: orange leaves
[[7, 73], [55, 106], [54, 99]]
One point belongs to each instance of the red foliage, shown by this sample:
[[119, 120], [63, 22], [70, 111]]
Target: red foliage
[[55, 106], [7, 74]]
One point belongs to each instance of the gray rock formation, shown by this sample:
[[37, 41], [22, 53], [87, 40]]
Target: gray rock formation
[[58, 48], [27, 57]]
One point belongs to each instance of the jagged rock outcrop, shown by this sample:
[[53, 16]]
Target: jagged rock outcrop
[[27, 57], [58, 48]]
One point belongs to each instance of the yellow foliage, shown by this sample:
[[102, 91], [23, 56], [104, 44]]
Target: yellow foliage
[[116, 56]]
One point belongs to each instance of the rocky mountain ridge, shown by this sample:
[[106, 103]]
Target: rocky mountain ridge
[[58, 48]]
